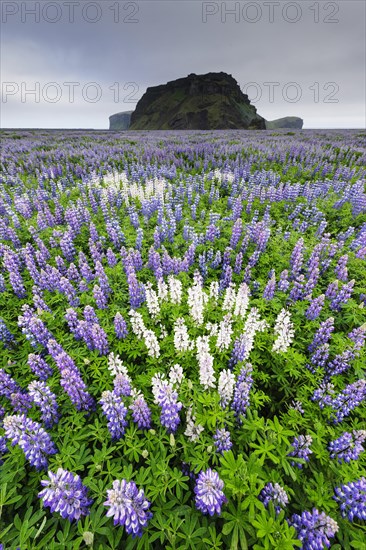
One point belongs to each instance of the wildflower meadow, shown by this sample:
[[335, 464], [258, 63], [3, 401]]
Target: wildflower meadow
[[182, 340]]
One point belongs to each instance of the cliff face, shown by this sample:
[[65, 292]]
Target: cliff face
[[120, 121], [212, 101], [286, 122]]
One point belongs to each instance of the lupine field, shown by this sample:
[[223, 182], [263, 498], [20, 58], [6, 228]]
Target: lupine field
[[182, 340]]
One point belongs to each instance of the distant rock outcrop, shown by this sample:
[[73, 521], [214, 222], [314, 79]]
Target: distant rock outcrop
[[285, 122], [213, 101], [120, 121]]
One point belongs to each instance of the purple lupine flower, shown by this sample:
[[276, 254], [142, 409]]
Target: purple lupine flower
[[71, 380], [39, 367], [311, 282], [343, 296], [83, 330], [85, 270], [141, 413], [324, 395], [358, 337], [322, 335], [236, 233], [31, 438], [67, 246], [72, 273], [339, 364], [239, 351], [38, 301], [301, 449], [341, 268], [5, 335], [71, 318], [276, 494], [297, 291], [90, 316], [296, 260], [242, 388], [33, 328], [348, 446], [314, 529], [167, 398], [122, 385], [42, 396], [65, 493], [111, 258], [222, 440], [283, 283], [8, 385], [351, 498], [115, 412], [319, 358], [12, 264], [315, 307], [103, 279], [348, 399], [128, 506], [120, 326], [66, 288], [99, 297], [100, 340], [209, 492], [21, 402], [332, 290], [269, 291]]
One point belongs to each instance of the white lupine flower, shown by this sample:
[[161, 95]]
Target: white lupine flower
[[181, 337], [175, 290], [163, 331], [205, 362], [229, 298], [252, 325], [115, 365], [137, 323], [176, 374], [242, 300], [152, 301], [224, 333], [217, 174], [152, 344], [226, 387], [212, 328], [158, 381], [162, 290], [196, 300], [192, 431], [214, 290], [284, 330]]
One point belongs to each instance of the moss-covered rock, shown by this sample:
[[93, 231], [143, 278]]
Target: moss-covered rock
[[120, 121], [213, 101], [285, 122]]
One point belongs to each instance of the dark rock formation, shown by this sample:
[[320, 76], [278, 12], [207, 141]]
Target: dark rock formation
[[212, 101], [285, 122], [120, 121]]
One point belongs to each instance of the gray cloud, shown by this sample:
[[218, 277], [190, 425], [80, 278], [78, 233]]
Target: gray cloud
[[171, 40]]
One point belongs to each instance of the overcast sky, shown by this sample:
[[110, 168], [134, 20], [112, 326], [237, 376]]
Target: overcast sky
[[304, 58]]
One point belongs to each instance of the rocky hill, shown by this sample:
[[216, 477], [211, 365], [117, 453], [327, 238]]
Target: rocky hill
[[213, 101], [120, 121], [285, 122]]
